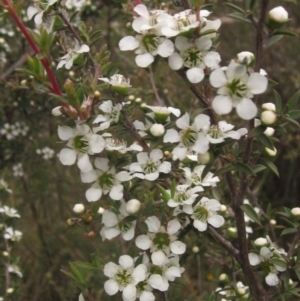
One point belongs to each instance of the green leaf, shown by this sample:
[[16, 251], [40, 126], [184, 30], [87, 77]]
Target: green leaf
[[250, 4], [288, 231], [248, 209], [285, 33], [76, 273], [244, 168], [257, 131], [266, 141], [225, 168], [239, 17], [278, 102], [295, 114], [173, 188], [293, 101], [165, 195], [279, 262], [259, 167], [288, 119], [69, 275], [270, 165], [274, 39], [234, 7], [206, 32], [85, 265]]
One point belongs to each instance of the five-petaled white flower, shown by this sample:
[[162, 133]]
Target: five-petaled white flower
[[13, 235], [10, 212]]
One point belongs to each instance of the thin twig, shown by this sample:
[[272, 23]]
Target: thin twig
[[154, 88], [294, 242]]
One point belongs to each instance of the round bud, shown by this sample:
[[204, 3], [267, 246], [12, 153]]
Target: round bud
[[223, 278], [279, 14], [131, 97], [97, 94], [24, 82], [241, 291], [10, 290], [232, 232], [269, 132], [5, 253], [57, 111], [268, 117], [295, 211], [268, 106], [167, 154], [260, 242], [91, 234], [273, 222], [245, 57], [138, 99], [195, 249], [223, 208], [71, 73], [291, 282], [271, 152], [101, 210], [78, 208], [204, 158], [133, 206], [71, 222], [88, 218], [157, 130]]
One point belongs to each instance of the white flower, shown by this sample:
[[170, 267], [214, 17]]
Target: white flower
[[114, 224], [246, 57], [81, 142], [10, 212], [46, 152], [106, 180], [279, 14], [76, 4], [149, 166], [18, 170], [4, 186], [295, 211], [42, 16], [205, 212], [195, 177], [118, 82], [161, 114], [147, 46], [13, 235], [161, 240], [68, 59], [120, 145], [9, 130], [12, 268], [124, 277], [235, 89]]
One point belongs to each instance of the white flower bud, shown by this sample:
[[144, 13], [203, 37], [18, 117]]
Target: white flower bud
[[5, 254], [245, 57], [279, 14], [131, 97], [273, 222], [260, 242], [269, 132], [133, 206], [268, 117], [10, 290], [195, 249], [296, 211], [271, 152], [157, 130], [223, 208], [241, 291], [71, 73], [57, 111], [223, 277], [269, 106], [291, 282], [101, 210], [204, 158], [138, 99], [78, 208]]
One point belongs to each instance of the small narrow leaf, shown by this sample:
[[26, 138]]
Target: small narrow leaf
[[288, 231], [274, 39], [278, 102], [271, 166], [266, 141], [259, 167], [288, 119], [285, 33], [165, 196], [295, 114], [239, 17], [235, 7], [244, 168], [293, 100], [226, 168], [248, 209]]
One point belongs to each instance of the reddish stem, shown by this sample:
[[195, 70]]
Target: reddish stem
[[54, 88]]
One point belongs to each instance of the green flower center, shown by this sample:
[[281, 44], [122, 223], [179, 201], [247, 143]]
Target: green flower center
[[180, 197], [106, 181], [161, 240], [156, 270], [215, 132], [184, 21], [114, 115], [237, 88], [201, 214], [192, 58], [150, 167], [80, 144], [123, 277], [196, 178], [188, 137], [150, 42]]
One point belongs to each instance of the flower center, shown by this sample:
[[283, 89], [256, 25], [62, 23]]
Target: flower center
[[188, 137], [106, 181], [161, 240], [120, 80], [201, 214], [80, 144], [237, 88], [180, 197], [184, 20], [156, 270], [192, 57], [215, 132], [196, 178], [150, 42], [150, 167], [114, 143], [123, 277], [153, 17]]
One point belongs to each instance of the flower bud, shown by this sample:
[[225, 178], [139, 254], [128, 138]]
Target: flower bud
[[223, 278], [10, 290], [260, 242], [295, 211], [71, 222], [241, 291], [195, 249], [5, 253], [78, 208], [57, 111], [245, 57], [223, 208], [273, 222], [268, 106], [204, 158], [269, 132], [133, 206], [268, 117], [97, 94], [131, 97], [138, 99], [271, 152], [24, 82], [157, 130], [279, 14], [101, 210], [91, 234], [232, 232]]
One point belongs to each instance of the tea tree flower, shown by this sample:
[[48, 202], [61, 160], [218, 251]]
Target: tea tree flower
[[68, 59], [18, 170], [10, 212], [118, 82], [13, 235], [279, 14]]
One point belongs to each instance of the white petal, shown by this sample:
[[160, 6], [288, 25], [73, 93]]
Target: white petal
[[141, 10], [246, 109], [177, 247], [88, 177], [172, 272], [175, 61], [257, 83], [166, 48], [156, 155], [111, 287], [143, 242], [195, 75], [272, 279], [102, 164], [93, 194], [111, 233], [139, 273], [202, 121], [153, 223], [216, 220], [184, 121], [158, 282], [84, 48], [116, 192], [200, 225], [253, 259], [109, 218], [159, 258], [65, 132], [165, 167], [67, 156], [142, 158], [129, 292], [151, 176], [171, 136], [147, 296], [81, 298], [123, 176], [217, 78], [84, 163], [110, 269], [97, 143], [128, 43], [38, 19], [173, 226], [222, 104], [211, 205], [126, 261], [129, 234], [179, 152], [31, 11], [144, 60]]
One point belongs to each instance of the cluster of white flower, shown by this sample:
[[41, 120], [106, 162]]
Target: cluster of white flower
[[18, 170], [11, 131], [270, 257], [47, 153]]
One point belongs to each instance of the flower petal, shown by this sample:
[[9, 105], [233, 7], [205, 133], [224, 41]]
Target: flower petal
[[195, 75], [128, 43], [67, 156], [144, 60], [257, 83], [93, 194], [111, 287], [246, 109], [222, 104]]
